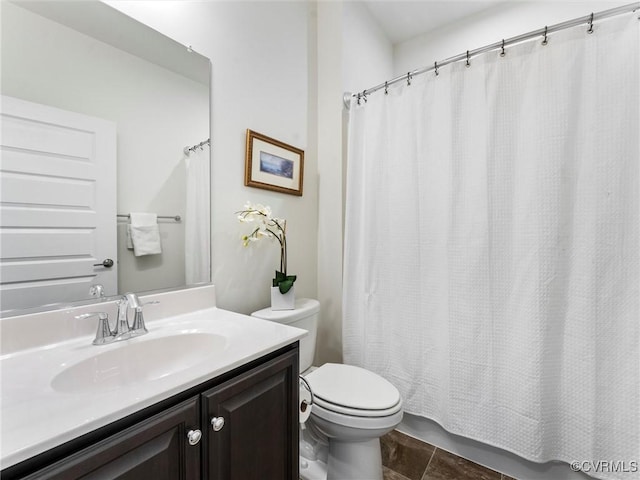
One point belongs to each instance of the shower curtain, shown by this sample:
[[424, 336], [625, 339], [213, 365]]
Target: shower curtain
[[197, 246], [491, 245]]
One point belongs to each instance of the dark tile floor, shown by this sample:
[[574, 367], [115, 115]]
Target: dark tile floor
[[405, 458]]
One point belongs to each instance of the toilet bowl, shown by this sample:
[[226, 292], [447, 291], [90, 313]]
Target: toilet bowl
[[352, 408]]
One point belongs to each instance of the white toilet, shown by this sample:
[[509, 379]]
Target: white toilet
[[352, 408]]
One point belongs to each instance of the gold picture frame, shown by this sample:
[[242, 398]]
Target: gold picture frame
[[273, 165]]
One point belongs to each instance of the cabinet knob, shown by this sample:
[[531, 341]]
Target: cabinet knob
[[194, 436], [217, 423]]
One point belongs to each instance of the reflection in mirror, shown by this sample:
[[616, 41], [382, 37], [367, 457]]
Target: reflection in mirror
[[98, 114]]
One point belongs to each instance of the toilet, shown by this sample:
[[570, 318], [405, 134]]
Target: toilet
[[352, 408]]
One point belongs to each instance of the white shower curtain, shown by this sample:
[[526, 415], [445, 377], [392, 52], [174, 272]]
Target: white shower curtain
[[491, 245], [197, 218]]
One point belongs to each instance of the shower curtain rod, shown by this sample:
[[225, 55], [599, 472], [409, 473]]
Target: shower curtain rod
[[189, 150], [542, 32]]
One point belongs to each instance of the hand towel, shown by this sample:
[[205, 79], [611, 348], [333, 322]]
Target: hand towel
[[145, 234], [129, 241]]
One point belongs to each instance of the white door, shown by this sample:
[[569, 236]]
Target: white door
[[57, 205]]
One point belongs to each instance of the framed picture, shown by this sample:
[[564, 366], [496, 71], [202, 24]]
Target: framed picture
[[273, 165]]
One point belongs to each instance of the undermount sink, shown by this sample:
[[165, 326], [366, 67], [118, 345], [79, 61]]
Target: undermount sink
[[133, 362]]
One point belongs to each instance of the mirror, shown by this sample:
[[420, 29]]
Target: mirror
[[142, 100]]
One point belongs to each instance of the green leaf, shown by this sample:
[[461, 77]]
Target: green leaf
[[285, 286], [283, 282]]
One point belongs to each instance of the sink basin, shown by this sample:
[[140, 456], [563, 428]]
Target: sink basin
[[133, 362]]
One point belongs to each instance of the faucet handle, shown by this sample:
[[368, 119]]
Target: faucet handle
[[138, 326], [97, 290], [104, 333], [132, 299]]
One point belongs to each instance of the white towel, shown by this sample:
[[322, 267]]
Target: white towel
[[144, 233], [129, 241]]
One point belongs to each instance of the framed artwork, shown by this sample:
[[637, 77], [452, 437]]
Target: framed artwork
[[273, 165]]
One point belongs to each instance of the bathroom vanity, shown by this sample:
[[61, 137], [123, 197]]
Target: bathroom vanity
[[206, 394]]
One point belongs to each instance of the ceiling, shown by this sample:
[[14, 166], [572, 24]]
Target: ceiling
[[402, 20]]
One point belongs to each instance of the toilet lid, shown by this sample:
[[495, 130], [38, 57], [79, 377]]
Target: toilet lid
[[352, 387]]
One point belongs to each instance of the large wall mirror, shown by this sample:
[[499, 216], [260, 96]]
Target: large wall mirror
[[98, 114]]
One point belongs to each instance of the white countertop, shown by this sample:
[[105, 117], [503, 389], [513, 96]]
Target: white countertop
[[35, 417]]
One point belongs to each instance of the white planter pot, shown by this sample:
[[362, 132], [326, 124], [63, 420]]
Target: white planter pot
[[283, 302]]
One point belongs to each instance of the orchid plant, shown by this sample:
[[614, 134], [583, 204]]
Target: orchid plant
[[268, 226]]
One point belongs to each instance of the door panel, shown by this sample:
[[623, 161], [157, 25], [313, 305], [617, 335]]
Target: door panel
[[47, 190], [28, 243], [156, 449], [57, 204], [25, 130], [259, 409], [42, 217]]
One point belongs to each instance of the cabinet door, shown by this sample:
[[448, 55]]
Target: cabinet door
[[259, 437], [156, 448]]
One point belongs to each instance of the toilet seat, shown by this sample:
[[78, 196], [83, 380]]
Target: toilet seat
[[355, 412], [353, 391], [318, 414]]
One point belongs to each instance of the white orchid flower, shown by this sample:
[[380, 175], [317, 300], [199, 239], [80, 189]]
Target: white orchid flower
[[279, 222], [266, 212], [266, 226], [263, 229]]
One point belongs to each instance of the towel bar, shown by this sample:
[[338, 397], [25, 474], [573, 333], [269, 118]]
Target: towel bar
[[177, 218]]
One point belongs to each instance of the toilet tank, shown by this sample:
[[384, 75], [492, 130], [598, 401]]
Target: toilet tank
[[305, 316]]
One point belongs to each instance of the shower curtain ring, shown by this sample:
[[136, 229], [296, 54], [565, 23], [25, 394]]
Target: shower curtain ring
[[408, 79], [502, 53], [358, 97], [436, 67], [364, 96], [590, 30], [468, 57], [386, 88], [544, 42]]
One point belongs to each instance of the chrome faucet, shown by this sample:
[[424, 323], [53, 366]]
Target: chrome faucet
[[122, 330], [138, 327], [104, 334], [97, 290]]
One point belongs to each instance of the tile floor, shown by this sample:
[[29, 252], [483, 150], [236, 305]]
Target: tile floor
[[405, 458]]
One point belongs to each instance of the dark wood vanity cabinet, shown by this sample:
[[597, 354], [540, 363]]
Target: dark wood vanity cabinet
[[156, 448], [248, 421], [250, 418]]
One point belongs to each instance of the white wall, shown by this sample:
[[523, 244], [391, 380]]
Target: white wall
[[157, 113], [349, 51], [368, 53], [505, 20], [327, 56], [279, 68], [260, 81]]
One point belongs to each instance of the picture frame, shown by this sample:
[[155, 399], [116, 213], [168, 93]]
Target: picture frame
[[273, 165]]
